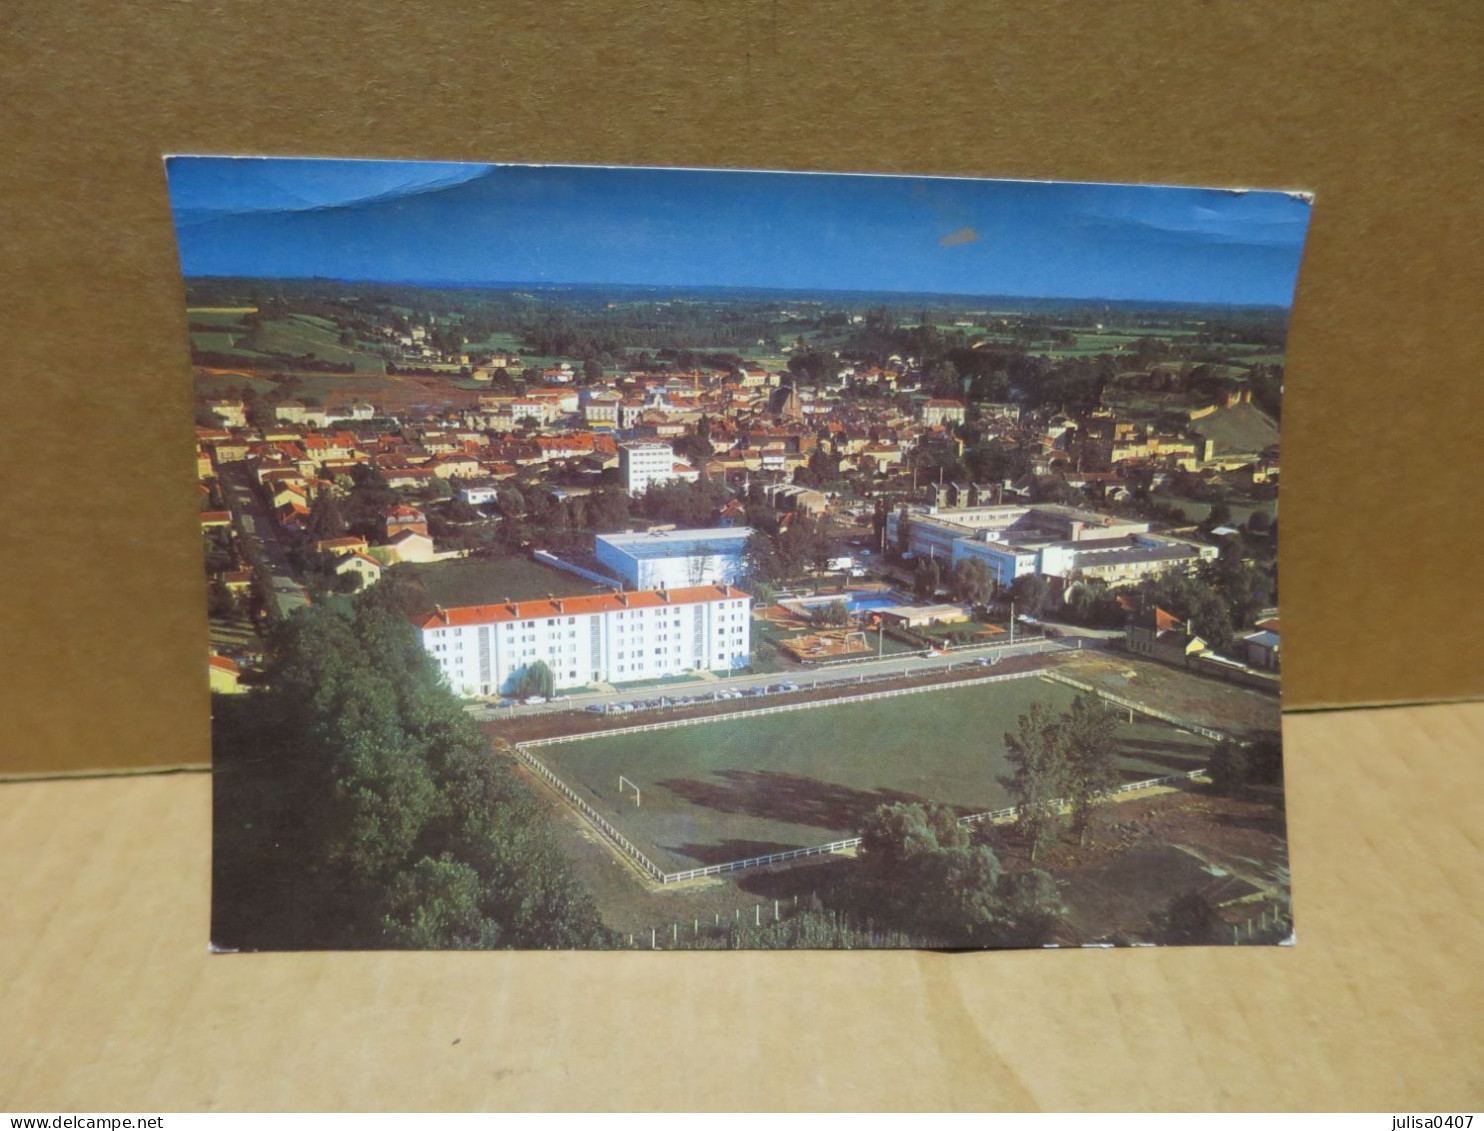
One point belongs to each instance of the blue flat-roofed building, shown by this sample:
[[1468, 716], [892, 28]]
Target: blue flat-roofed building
[[675, 558]]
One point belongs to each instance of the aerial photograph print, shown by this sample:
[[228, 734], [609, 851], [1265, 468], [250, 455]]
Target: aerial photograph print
[[676, 559]]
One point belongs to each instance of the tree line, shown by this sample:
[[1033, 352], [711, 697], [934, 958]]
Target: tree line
[[359, 807]]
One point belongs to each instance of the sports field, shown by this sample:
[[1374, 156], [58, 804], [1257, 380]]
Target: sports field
[[723, 791]]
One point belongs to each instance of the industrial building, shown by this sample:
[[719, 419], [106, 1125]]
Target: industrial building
[[674, 557], [1060, 542]]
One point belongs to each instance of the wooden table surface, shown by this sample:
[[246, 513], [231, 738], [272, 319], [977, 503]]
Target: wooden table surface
[[109, 1000]]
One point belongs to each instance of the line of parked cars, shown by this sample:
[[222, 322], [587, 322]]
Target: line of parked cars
[[689, 700]]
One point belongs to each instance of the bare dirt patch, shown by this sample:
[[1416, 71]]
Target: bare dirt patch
[[1239, 711]]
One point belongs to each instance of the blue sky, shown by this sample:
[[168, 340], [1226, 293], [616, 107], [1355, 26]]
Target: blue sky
[[445, 223]]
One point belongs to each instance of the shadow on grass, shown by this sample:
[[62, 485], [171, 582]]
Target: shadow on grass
[[725, 851], [787, 798], [1152, 763]]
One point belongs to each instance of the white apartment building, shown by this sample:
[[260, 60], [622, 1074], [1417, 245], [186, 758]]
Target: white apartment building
[[639, 465], [943, 411], [608, 638]]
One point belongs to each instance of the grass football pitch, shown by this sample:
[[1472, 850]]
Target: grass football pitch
[[723, 791]]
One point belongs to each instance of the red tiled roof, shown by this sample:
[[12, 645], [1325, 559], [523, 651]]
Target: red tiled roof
[[574, 606], [1166, 622]]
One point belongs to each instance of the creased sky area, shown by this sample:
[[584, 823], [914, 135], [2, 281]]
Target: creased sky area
[[468, 224]]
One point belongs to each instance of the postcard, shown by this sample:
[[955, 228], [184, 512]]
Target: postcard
[[674, 559]]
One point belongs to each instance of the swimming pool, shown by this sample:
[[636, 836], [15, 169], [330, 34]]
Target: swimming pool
[[864, 602]]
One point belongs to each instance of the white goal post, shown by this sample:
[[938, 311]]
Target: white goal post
[[623, 781]]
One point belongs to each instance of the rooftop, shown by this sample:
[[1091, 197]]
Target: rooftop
[[677, 543], [574, 606]]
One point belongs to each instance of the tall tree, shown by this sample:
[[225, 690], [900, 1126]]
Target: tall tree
[[973, 581], [325, 520], [1035, 751], [535, 679], [1088, 754], [369, 812], [921, 870]]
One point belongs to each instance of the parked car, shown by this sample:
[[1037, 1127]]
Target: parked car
[[534, 700]]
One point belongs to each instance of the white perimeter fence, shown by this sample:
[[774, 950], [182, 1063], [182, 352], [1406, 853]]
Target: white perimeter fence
[[624, 845], [1152, 712]]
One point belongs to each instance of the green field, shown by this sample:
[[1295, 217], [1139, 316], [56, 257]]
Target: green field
[[215, 384], [488, 581], [500, 341], [213, 342], [301, 334], [723, 791], [211, 316]]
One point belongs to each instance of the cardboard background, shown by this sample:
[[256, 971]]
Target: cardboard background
[[110, 1002], [1375, 107]]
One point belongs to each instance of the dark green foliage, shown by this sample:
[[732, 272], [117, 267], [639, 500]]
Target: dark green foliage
[[973, 581], [1189, 920], [1088, 753], [437, 906], [1244, 589], [1032, 593], [325, 520], [1234, 767], [534, 679], [607, 511], [804, 544], [365, 810], [921, 872], [1191, 599], [926, 579], [919, 869], [685, 504], [1034, 749], [368, 500], [835, 614], [1069, 758], [1092, 603]]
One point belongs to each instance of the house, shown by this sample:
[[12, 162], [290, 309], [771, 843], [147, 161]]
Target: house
[[399, 518], [1163, 636], [479, 494], [407, 476], [237, 582], [1260, 649], [367, 570], [410, 546], [232, 413], [350, 544], [297, 412], [225, 676], [457, 465]]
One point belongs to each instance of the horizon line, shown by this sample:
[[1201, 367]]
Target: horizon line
[[510, 284]]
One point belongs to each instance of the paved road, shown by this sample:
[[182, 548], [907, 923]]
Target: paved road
[[834, 676], [259, 535]]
